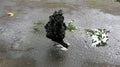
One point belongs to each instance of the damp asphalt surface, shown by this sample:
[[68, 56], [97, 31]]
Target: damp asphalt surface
[[20, 47]]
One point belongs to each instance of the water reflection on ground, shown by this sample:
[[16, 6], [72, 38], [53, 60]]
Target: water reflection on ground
[[56, 57]]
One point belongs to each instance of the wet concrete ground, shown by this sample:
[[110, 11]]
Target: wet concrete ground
[[20, 47]]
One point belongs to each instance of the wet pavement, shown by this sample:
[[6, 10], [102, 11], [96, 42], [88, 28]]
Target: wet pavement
[[20, 47]]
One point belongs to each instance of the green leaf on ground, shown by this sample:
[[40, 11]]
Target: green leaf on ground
[[71, 27]]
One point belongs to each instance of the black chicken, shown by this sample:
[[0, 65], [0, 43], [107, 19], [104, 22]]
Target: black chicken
[[56, 27]]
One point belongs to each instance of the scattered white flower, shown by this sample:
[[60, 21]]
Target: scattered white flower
[[99, 37], [104, 37], [94, 37], [95, 40]]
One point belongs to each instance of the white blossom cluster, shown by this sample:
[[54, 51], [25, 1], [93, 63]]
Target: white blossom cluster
[[99, 37]]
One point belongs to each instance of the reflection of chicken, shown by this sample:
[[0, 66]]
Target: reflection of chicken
[[55, 28]]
